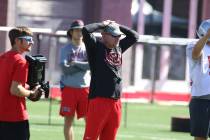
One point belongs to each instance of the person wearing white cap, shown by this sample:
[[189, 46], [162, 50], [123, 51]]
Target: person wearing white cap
[[198, 55], [105, 60]]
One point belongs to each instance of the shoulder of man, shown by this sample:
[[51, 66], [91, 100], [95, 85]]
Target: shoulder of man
[[66, 47], [15, 56], [82, 46]]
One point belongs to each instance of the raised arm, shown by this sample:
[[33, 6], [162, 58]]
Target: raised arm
[[130, 39], [196, 52], [90, 40], [88, 37]]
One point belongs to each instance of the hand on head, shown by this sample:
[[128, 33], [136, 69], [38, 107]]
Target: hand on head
[[208, 33], [107, 22]]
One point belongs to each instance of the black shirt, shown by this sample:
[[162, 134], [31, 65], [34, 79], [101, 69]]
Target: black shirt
[[105, 63]]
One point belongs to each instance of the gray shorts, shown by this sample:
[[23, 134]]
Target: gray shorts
[[200, 117]]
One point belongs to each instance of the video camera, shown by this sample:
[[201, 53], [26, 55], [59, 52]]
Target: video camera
[[36, 73]]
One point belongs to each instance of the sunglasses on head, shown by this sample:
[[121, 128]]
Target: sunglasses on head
[[29, 39]]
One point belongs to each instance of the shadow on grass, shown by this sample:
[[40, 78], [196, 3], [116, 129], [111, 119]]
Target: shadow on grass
[[55, 124], [170, 131]]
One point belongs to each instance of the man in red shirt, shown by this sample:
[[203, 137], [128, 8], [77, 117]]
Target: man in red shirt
[[14, 73]]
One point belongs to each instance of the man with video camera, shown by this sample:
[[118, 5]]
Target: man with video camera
[[14, 123]]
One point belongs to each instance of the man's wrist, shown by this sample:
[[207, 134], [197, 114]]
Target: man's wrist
[[30, 94]]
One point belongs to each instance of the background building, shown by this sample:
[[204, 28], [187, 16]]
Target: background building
[[166, 18]]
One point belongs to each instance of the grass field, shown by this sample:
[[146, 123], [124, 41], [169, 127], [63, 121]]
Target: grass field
[[144, 122]]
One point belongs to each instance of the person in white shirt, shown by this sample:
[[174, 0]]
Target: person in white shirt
[[198, 55]]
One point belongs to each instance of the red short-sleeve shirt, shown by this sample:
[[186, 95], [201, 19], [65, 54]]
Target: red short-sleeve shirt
[[13, 67]]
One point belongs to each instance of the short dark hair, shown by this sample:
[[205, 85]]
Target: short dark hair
[[18, 32]]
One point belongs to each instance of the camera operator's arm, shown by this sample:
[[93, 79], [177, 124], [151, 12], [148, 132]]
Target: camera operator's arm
[[20, 74], [17, 89]]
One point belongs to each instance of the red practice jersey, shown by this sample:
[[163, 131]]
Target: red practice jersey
[[13, 67]]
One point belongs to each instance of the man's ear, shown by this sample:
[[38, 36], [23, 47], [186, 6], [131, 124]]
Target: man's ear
[[103, 33], [17, 41], [71, 32]]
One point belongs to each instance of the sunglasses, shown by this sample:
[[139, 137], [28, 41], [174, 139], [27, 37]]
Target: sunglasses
[[29, 39], [118, 36]]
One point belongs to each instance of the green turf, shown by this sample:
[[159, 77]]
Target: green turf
[[144, 122]]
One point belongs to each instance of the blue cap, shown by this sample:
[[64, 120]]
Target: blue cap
[[113, 29]]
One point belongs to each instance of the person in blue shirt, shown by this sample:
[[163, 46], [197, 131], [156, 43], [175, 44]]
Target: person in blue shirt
[[75, 78]]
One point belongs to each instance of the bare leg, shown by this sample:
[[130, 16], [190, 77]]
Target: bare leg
[[68, 128]]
